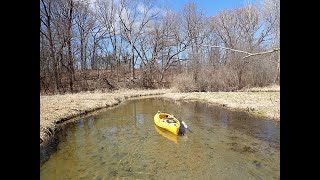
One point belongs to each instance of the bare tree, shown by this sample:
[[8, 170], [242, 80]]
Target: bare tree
[[225, 26], [85, 22], [134, 20], [271, 12], [195, 24], [176, 41], [46, 18], [107, 12], [87, 45], [244, 29]]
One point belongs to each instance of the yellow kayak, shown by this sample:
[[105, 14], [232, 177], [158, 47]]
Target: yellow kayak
[[168, 122]]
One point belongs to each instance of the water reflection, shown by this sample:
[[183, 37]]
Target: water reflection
[[167, 134]]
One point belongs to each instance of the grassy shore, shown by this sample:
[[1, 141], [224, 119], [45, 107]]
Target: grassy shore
[[258, 101], [58, 108], [264, 104]]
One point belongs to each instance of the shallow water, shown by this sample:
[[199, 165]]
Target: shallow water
[[123, 143]]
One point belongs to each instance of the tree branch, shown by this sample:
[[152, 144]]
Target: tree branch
[[226, 48], [248, 54], [44, 34], [260, 53]]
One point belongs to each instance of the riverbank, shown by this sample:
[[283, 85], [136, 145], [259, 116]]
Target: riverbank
[[263, 104], [257, 101], [59, 108]]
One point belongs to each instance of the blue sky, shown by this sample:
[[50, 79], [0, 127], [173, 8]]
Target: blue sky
[[210, 7]]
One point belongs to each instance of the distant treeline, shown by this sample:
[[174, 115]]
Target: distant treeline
[[112, 44]]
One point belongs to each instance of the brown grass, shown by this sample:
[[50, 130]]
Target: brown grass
[[57, 108], [270, 88], [265, 104]]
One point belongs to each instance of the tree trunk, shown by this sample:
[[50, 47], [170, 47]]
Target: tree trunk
[[132, 61], [52, 53], [70, 59], [82, 55]]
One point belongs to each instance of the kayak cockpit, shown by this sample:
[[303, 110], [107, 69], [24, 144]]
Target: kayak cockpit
[[167, 118]]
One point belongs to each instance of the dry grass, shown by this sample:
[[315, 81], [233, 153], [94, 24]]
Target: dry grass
[[56, 108], [271, 88], [266, 104]]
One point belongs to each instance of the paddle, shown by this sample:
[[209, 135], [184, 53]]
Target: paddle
[[185, 125]]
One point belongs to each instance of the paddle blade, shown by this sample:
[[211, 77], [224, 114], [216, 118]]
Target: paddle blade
[[184, 124]]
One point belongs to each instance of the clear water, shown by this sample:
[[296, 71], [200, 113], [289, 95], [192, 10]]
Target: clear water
[[123, 143]]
